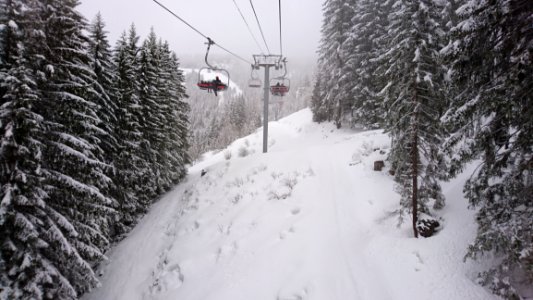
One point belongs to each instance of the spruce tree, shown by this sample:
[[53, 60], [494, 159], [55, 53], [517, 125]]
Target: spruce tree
[[367, 36], [74, 167], [176, 121], [335, 29], [24, 213], [343, 60], [53, 217], [317, 107], [59, 119], [414, 105], [490, 118], [102, 65], [104, 69], [129, 163], [237, 114], [152, 110]]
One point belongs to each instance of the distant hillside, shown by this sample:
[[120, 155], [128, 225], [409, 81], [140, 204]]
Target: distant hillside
[[216, 121]]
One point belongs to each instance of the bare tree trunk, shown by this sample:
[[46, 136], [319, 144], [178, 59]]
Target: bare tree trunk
[[414, 161]]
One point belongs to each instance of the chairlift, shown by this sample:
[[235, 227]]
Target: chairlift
[[254, 81], [209, 77], [207, 82], [279, 86]]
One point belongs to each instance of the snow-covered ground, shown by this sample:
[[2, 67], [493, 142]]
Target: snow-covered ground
[[308, 220]]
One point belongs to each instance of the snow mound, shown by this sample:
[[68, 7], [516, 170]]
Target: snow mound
[[310, 219]]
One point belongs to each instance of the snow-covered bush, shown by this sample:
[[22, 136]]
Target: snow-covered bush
[[227, 155], [243, 151]]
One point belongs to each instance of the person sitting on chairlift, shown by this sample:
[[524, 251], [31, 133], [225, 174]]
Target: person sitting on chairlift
[[277, 90], [216, 83]]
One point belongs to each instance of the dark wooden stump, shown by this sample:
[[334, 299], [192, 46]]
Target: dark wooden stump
[[378, 165], [427, 227]]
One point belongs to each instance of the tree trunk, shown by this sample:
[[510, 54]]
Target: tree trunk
[[414, 174]]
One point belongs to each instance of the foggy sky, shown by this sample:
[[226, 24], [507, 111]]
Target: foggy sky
[[219, 20]]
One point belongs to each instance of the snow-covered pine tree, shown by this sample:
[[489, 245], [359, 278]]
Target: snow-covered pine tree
[[334, 94], [24, 215], [153, 109], [367, 34], [162, 86], [237, 114], [491, 119], [317, 105], [449, 13], [73, 158], [449, 20], [129, 163], [53, 218], [103, 67], [344, 63], [415, 92], [175, 115], [164, 122]]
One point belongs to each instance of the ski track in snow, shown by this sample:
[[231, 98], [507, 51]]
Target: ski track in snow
[[309, 220]]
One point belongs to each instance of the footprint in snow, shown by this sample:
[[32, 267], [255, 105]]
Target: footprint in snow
[[193, 227], [225, 229], [419, 261], [169, 279], [285, 233], [226, 250]]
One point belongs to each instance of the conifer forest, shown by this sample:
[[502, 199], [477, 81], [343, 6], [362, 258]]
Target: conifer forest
[[93, 132], [451, 82], [91, 135]]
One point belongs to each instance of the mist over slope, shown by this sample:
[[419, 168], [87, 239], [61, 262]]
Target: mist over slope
[[216, 121]]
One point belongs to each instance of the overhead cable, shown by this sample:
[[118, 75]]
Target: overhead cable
[[200, 33], [175, 15], [280, 40], [260, 28], [248, 26]]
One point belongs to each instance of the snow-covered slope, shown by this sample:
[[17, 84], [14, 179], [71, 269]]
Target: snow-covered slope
[[308, 220]]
